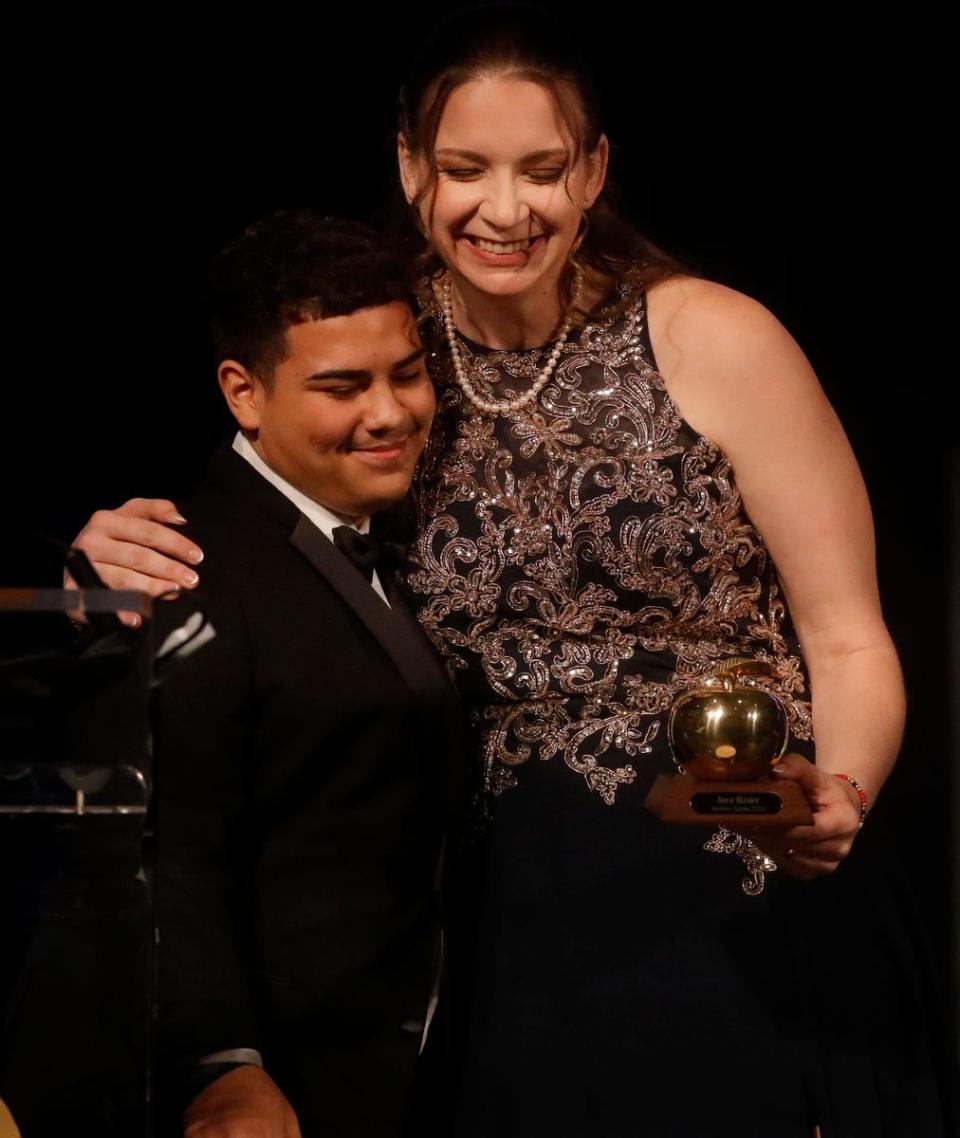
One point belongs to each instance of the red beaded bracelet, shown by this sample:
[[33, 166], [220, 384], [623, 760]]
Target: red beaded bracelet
[[861, 794]]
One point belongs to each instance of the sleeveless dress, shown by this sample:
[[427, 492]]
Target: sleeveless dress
[[579, 563]]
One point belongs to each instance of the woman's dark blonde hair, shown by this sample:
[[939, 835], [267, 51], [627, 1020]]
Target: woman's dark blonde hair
[[525, 43]]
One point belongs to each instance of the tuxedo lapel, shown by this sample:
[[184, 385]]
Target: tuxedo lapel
[[394, 628]]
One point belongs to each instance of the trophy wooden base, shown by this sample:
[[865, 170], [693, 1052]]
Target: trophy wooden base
[[769, 804]]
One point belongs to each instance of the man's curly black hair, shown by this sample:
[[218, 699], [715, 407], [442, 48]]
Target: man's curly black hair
[[292, 266]]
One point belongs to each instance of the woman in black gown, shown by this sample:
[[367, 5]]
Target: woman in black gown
[[633, 476], [586, 553]]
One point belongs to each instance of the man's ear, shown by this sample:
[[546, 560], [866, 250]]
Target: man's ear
[[243, 392], [409, 170]]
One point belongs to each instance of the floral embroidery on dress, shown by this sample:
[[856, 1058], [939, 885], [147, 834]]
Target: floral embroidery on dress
[[583, 560]]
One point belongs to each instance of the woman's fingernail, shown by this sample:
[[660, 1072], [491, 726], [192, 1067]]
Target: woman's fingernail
[[179, 519], [196, 556], [133, 620], [190, 578]]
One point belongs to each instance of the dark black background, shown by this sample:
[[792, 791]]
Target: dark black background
[[789, 157]]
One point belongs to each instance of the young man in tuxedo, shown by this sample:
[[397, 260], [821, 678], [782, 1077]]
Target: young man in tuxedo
[[307, 736]]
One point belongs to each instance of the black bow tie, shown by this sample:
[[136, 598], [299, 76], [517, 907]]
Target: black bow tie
[[362, 549]]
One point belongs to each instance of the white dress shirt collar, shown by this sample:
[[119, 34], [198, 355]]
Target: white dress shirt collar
[[325, 520]]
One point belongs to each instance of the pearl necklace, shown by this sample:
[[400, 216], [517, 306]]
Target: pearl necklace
[[502, 406]]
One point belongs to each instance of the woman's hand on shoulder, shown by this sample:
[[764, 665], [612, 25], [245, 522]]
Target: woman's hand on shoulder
[[136, 547]]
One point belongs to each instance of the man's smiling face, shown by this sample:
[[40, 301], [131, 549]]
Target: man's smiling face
[[347, 412]]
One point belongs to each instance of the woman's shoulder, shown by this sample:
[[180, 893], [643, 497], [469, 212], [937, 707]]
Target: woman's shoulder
[[701, 329], [727, 362], [693, 311]]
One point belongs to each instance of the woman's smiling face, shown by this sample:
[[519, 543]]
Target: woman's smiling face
[[510, 192]]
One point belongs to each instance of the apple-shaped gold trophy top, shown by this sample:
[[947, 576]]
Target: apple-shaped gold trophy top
[[729, 729], [727, 735]]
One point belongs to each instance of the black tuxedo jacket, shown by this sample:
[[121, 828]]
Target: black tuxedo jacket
[[307, 758]]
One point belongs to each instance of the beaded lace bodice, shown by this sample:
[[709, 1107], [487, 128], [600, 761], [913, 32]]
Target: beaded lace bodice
[[582, 560]]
